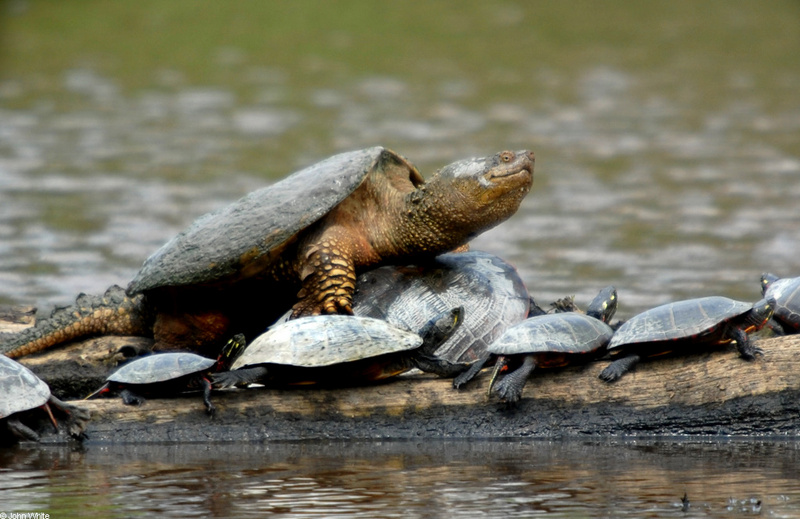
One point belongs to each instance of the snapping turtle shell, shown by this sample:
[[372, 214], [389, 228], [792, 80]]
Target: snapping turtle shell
[[221, 245]]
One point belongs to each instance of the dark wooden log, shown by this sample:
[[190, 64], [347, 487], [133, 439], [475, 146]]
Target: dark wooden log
[[708, 393]]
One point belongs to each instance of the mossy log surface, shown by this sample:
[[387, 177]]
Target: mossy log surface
[[708, 393]]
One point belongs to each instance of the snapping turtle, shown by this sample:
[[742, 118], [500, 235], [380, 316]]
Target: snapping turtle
[[21, 391], [340, 350], [302, 240], [490, 290], [682, 325], [551, 341], [163, 374]]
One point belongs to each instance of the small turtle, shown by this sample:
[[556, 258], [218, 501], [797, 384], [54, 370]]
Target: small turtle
[[682, 325], [302, 239], [341, 349], [162, 374], [490, 290], [21, 392], [551, 341], [786, 291]]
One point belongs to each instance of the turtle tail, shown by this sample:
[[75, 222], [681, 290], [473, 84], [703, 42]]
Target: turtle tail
[[113, 313]]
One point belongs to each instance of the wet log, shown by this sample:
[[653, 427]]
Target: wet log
[[709, 393]]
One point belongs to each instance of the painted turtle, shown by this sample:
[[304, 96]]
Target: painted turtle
[[682, 325], [490, 290], [22, 392], [551, 341], [302, 240], [341, 349], [162, 374], [786, 291]]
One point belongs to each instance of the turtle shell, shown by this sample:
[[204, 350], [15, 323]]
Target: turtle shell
[[554, 333], [254, 229], [20, 389], [160, 367], [786, 292], [325, 340], [679, 320], [490, 290]]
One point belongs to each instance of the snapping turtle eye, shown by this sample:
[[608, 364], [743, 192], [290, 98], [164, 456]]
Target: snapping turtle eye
[[507, 156]]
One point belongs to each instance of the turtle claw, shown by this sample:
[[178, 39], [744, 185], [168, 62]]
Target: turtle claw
[[508, 392], [751, 353]]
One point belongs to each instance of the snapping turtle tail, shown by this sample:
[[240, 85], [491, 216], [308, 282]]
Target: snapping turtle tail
[[113, 313]]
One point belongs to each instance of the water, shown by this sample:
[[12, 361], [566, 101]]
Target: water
[[668, 165], [666, 138], [408, 479]]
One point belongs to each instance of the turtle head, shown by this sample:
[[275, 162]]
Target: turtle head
[[604, 306], [766, 280], [230, 352], [439, 329], [761, 313], [479, 193]]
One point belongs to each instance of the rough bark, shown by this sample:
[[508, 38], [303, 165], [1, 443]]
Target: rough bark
[[709, 393]]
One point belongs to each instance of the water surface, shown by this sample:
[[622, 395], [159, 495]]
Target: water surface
[[522, 478], [666, 135]]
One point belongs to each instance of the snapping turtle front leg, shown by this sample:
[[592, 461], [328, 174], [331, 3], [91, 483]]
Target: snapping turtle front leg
[[329, 281]]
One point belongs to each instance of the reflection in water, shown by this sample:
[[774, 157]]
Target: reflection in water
[[407, 479]]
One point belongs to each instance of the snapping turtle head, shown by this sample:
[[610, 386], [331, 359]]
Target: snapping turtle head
[[477, 194]]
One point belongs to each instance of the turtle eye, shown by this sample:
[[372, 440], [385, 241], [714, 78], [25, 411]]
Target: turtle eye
[[507, 156]]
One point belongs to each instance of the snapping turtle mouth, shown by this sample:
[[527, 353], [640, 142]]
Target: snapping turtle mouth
[[511, 172], [518, 174]]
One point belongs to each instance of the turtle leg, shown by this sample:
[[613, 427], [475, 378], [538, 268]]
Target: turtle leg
[[21, 431], [441, 367], [239, 376], [130, 398], [77, 417], [510, 388], [210, 409], [328, 277], [776, 328], [619, 367], [747, 350], [470, 373]]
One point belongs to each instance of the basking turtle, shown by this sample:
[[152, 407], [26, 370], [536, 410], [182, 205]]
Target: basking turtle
[[21, 393], [490, 290], [684, 325], [543, 329], [302, 240], [549, 341], [786, 291], [340, 350], [162, 374]]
